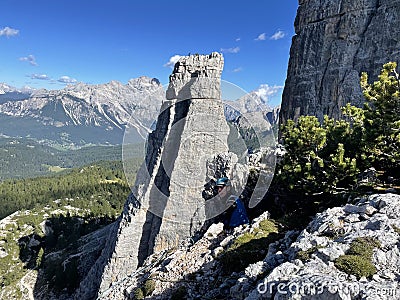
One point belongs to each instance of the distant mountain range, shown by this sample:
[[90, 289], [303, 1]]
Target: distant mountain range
[[9, 93], [81, 114], [254, 118], [5, 88], [84, 114]]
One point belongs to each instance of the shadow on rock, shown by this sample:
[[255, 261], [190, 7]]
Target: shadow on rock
[[60, 255]]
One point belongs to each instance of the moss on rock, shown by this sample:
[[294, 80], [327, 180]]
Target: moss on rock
[[148, 287], [305, 255], [358, 259], [356, 265], [249, 247]]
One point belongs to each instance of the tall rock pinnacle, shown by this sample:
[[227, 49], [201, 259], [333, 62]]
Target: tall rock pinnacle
[[191, 130], [166, 205], [335, 41]]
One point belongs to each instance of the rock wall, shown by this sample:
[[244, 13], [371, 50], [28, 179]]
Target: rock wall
[[166, 205], [335, 41]]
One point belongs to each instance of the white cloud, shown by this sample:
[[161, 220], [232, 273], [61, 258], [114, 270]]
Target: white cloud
[[66, 79], [238, 39], [172, 61], [40, 76], [230, 50], [261, 37], [238, 70], [265, 91], [7, 31], [278, 35], [30, 58]]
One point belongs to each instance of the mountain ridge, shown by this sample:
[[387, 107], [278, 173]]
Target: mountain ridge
[[107, 108], [82, 114]]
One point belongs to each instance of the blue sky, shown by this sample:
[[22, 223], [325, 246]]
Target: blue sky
[[48, 43]]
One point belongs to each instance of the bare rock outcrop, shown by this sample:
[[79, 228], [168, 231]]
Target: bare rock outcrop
[[308, 268], [335, 41], [301, 265], [166, 205], [193, 267]]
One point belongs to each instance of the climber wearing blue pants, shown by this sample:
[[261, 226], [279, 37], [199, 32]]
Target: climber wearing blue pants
[[236, 214]]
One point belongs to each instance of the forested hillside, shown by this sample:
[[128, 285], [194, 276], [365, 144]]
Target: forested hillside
[[81, 184], [50, 214], [24, 158]]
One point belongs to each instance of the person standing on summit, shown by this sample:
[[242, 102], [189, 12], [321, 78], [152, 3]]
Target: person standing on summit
[[236, 213]]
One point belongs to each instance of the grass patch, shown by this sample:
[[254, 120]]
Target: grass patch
[[249, 247], [138, 294], [305, 255], [363, 246], [148, 287], [356, 265], [55, 169], [358, 259]]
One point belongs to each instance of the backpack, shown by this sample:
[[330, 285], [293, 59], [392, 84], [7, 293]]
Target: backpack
[[239, 214]]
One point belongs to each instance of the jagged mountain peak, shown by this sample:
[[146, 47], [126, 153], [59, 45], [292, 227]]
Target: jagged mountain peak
[[255, 106], [83, 90], [101, 107], [143, 80], [6, 88], [254, 101]]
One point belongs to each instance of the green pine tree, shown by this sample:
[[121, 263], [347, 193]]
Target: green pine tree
[[382, 119]]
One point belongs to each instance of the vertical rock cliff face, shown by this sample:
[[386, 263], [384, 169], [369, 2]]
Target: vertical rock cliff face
[[166, 205], [335, 41], [190, 131]]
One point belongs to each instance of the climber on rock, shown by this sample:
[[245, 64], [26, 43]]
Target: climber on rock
[[235, 214]]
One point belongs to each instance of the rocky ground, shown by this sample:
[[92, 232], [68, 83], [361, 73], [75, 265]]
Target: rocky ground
[[331, 238], [349, 252], [23, 251]]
